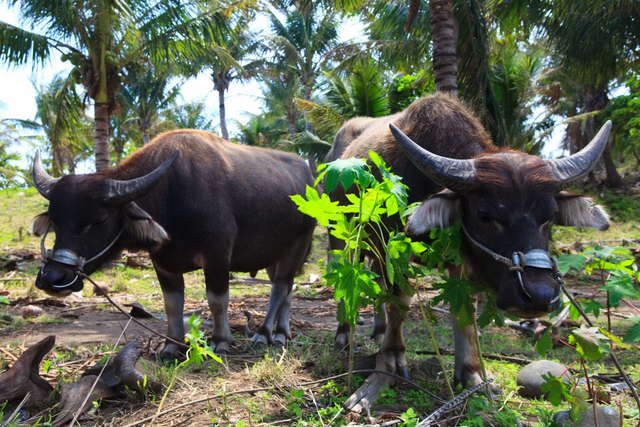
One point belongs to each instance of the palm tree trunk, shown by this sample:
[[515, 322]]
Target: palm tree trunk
[[444, 34], [223, 113], [101, 117], [596, 99]]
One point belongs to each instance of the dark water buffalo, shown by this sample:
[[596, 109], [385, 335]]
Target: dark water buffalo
[[193, 201], [506, 201]]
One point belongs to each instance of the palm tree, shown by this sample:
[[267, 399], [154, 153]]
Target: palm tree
[[147, 92], [60, 116], [593, 43], [359, 92], [305, 39], [93, 34], [191, 115]]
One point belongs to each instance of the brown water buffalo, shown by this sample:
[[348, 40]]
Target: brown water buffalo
[[192, 200], [505, 200]]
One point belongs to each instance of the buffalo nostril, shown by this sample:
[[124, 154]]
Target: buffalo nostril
[[52, 276]]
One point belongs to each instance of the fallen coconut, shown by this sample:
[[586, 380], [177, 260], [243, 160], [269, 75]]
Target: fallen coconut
[[30, 311]]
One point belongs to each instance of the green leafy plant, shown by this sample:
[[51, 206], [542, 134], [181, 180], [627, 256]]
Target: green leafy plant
[[618, 275], [375, 197], [199, 350]]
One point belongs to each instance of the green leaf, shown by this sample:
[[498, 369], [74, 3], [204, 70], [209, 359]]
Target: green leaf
[[544, 343], [345, 172], [590, 343], [555, 389], [591, 306], [318, 206], [4, 300], [459, 295], [567, 262], [633, 333], [490, 313], [353, 284], [620, 285]]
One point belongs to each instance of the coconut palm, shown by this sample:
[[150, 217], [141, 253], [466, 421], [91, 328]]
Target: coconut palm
[[60, 117], [305, 39], [93, 34], [147, 91], [191, 115], [592, 43]]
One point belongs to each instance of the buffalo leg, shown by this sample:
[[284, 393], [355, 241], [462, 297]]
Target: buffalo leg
[[467, 362], [282, 275], [467, 369], [280, 293], [391, 358], [379, 325], [172, 286], [218, 299]]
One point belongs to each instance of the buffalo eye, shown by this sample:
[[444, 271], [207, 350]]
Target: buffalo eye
[[486, 218], [96, 223]]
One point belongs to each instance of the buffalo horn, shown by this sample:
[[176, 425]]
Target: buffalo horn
[[41, 179], [571, 168], [125, 190], [455, 174]]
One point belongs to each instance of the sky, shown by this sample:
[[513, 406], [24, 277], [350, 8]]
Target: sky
[[17, 98]]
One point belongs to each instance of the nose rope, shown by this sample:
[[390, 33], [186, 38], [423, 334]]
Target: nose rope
[[537, 258], [70, 258]]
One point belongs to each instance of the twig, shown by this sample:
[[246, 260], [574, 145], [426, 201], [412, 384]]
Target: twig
[[11, 356], [385, 424], [612, 355], [584, 243], [95, 382], [452, 404], [136, 321], [258, 389], [12, 279], [8, 421], [516, 360]]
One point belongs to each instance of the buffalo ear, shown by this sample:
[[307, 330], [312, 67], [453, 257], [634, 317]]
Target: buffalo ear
[[439, 211], [41, 224], [142, 227], [580, 211]]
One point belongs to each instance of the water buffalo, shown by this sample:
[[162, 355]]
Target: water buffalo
[[505, 200], [192, 200]]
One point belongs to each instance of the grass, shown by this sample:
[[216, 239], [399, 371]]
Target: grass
[[311, 356]]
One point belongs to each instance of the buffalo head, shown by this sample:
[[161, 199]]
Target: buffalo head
[[92, 216], [507, 202]]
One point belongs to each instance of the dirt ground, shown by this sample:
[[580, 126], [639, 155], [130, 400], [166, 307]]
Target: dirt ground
[[86, 328]]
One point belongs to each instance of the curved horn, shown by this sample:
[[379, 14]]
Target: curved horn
[[455, 174], [567, 170], [124, 190], [41, 179]]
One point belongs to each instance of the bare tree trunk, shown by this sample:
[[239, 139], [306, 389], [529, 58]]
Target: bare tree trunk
[[596, 99], [101, 113], [223, 113], [444, 34], [145, 136]]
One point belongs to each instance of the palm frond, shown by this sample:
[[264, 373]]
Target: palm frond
[[18, 46]]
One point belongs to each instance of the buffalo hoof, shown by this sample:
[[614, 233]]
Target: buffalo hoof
[[473, 378], [387, 361], [259, 340], [169, 353], [221, 346], [366, 395], [341, 342]]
